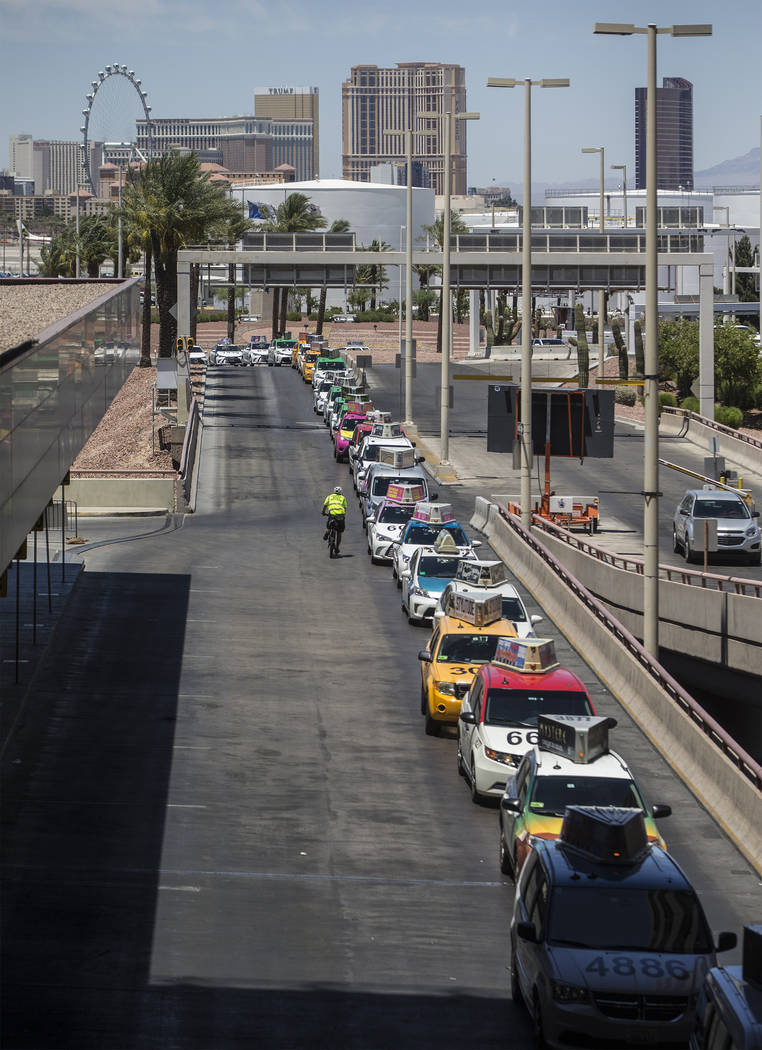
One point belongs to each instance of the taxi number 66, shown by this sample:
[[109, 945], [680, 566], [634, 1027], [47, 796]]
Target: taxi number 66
[[514, 738], [624, 966]]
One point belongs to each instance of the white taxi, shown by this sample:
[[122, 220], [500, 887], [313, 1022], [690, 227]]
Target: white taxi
[[481, 579], [391, 517], [423, 529]]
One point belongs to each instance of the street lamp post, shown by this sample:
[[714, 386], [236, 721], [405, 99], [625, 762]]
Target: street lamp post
[[623, 169], [601, 291], [408, 420], [651, 377], [525, 431], [120, 259], [444, 403], [78, 261]]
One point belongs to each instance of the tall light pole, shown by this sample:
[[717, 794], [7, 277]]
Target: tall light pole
[[78, 261], [525, 427], [623, 169], [120, 259], [651, 377], [444, 402], [601, 291], [388, 133]]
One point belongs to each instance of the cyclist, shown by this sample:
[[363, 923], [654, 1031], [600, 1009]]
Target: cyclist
[[335, 509]]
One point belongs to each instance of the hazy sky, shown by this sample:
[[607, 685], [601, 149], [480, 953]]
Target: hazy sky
[[202, 59]]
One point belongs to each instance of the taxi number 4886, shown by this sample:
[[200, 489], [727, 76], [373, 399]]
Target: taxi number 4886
[[624, 966]]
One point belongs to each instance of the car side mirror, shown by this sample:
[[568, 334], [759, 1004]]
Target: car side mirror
[[755, 514], [659, 810], [611, 723], [468, 717], [510, 805], [535, 618], [370, 520], [526, 931], [726, 941], [424, 656], [476, 543], [420, 459]]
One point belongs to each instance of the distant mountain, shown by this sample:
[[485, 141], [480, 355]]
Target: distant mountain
[[740, 171]]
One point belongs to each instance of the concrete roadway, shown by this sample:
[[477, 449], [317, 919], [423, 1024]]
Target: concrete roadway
[[223, 825]]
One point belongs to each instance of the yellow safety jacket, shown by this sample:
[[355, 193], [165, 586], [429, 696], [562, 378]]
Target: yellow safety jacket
[[335, 504]]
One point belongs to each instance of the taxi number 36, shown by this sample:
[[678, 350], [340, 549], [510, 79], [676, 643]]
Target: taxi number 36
[[624, 966], [465, 670]]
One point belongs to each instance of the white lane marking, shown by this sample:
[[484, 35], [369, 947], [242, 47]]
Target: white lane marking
[[200, 621], [192, 747], [182, 889], [183, 805]]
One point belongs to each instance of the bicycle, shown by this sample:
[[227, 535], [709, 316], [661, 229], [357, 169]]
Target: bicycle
[[333, 536]]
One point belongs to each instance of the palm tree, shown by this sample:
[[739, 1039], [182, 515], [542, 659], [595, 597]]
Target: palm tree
[[137, 205], [177, 205], [436, 231], [337, 226], [235, 226], [377, 274], [58, 258], [295, 215]]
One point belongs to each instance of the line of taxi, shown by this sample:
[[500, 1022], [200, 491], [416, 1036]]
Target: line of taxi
[[608, 943]]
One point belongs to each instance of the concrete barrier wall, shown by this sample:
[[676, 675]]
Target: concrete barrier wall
[[738, 453], [131, 495], [731, 798]]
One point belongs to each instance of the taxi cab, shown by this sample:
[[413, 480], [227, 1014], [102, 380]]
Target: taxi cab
[[571, 765], [391, 517], [608, 942], [480, 579], [306, 363], [428, 520], [729, 1014], [431, 570], [499, 716], [460, 642], [356, 413]]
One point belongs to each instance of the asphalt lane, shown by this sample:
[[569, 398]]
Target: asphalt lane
[[223, 824]]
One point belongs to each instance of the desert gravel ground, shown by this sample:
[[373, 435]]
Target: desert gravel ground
[[26, 309]]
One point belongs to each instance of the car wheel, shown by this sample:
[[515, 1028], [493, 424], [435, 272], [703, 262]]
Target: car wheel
[[413, 620], [430, 725], [424, 700], [539, 1034], [755, 559], [399, 584], [459, 760], [394, 571], [515, 987], [690, 557], [506, 866], [476, 798], [675, 541]]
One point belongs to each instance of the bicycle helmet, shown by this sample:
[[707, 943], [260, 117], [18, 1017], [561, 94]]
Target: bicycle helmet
[[338, 490]]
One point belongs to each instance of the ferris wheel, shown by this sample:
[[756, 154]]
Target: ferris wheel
[[115, 102]]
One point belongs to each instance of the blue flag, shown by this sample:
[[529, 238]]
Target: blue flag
[[254, 212]]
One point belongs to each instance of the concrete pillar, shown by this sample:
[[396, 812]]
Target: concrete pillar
[[473, 322], [183, 328], [706, 340]]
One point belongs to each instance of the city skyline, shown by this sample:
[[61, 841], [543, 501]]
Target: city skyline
[[194, 62]]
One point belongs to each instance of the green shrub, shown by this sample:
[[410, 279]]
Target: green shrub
[[691, 404], [758, 397], [728, 416], [625, 395], [667, 399], [294, 315], [375, 315]]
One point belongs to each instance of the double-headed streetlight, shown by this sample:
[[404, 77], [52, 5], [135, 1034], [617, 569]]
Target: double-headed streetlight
[[525, 427], [623, 169], [602, 228], [444, 404], [651, 377]]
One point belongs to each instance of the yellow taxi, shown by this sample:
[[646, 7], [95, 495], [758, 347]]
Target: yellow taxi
[[462, 640], [308, 364]]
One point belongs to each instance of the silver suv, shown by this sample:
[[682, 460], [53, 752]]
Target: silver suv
[[737, 527]]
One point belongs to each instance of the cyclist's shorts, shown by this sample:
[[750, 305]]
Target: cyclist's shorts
[[337, 522]]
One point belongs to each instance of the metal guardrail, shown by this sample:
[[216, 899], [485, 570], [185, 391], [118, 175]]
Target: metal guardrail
[[741, 759], [713, 425], [630, 563], [580, 241]]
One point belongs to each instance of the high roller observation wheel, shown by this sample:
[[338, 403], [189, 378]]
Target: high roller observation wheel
[[113, 70]]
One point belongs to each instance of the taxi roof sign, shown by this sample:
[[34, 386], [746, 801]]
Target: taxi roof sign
[[528, 655], [445, 544], [434, 513], [478, 612], [610, 834], [355, 408], [405, 493], [580, 738], [380, 417], [399, 458], [388, 430], [481, 573]]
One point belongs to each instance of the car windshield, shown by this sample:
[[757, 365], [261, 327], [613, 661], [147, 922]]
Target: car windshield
[[720, 508], [426, 535], [613, 918], [394, 515], [511, 707], [513, 609], [462, 648], [324, 386], [444, 568], [551, 795]]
